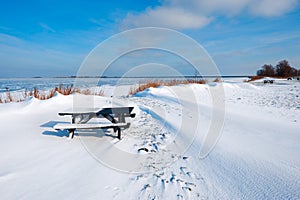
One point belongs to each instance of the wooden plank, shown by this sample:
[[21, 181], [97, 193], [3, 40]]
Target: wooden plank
[[64, 126], [98, 111], [80, 111], [115, 110]]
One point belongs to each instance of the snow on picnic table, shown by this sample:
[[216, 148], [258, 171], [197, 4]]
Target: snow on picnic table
[[257, 156]]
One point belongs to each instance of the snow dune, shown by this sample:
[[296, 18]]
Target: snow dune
[[256, 157]]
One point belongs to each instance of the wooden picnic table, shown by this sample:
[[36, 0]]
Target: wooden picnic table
[[81, 116]]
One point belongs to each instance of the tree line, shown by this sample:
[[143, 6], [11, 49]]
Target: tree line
[[282, 69]]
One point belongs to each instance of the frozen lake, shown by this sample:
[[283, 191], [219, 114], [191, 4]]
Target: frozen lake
[[21, 84]]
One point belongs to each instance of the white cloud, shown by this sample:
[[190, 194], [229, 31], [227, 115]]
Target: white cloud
[[195, 14], [270, 8], [207, 7], [47, 28], [175, 18], [10, 40]]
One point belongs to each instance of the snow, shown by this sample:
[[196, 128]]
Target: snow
[[256, 157]]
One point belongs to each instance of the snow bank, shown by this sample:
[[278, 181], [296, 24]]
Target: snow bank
[[257, 156]]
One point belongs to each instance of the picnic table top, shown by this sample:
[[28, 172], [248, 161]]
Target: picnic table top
[[109, 110], [88, 126]]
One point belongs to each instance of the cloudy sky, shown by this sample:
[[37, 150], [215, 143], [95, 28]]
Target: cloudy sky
[[52, 37]]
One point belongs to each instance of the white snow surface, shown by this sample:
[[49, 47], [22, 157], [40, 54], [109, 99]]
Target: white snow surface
[[256, 157]]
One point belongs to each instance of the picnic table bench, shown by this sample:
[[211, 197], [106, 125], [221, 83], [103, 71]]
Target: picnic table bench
[[79, 118]]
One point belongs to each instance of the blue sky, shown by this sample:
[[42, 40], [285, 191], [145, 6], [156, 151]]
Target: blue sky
[[51, 38]]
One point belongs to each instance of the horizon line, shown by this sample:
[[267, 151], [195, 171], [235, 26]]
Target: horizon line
[[184, 76]]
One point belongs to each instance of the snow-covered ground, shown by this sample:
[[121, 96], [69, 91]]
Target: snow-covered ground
[[256, 157]]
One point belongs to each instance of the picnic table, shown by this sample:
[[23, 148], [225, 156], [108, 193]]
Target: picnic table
[[81, 116]]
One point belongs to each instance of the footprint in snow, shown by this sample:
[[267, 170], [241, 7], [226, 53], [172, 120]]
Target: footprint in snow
[[163, 183], [188, 173], [143, 149], [182, 170], [179, 180], [188, 184], [155, 146], [139, 176], [186, 188], [172, 178], [156, 175], [145, 187]]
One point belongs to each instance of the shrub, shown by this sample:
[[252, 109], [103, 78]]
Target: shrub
[[142, 86], [254, 78], [42, 95], [282, 69], [100, 93], [217, 80], [9, 97]]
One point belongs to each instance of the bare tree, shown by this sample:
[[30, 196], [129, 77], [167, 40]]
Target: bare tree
[[267, 70], [282, 69]]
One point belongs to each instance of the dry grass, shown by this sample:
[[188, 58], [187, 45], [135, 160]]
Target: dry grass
[[217, 80], [9, 97], [142, 86], [43, 95], [68, 90], [254, 78]]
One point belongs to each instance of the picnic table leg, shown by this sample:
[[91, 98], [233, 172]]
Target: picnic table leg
[[111, 119], [119, 133], [121, 118], [71, 133], [73, 119]]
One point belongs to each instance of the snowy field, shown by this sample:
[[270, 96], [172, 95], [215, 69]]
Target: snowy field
[[256, 157]]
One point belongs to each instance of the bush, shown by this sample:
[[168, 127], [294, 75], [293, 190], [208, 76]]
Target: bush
[[142, 86], [282, 69], [42, 95], [267, 70], [254, 78], [217, 80]]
